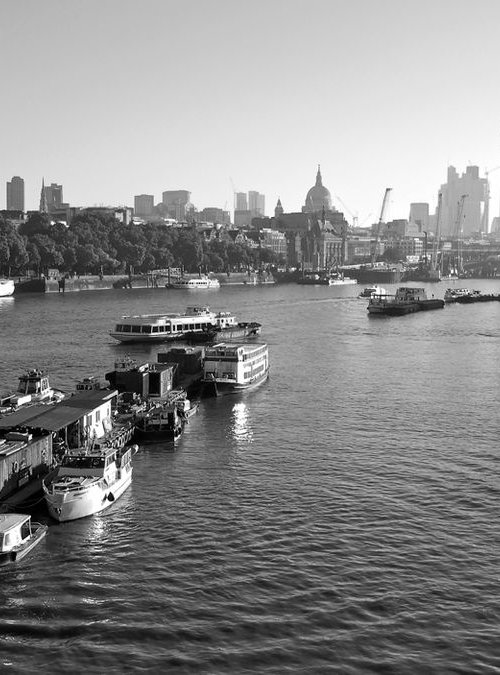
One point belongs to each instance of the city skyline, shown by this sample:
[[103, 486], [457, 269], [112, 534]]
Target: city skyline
[[384, 94]]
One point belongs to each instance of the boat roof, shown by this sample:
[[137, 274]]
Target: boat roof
[[232, 348], [58, 416], [10, 520]]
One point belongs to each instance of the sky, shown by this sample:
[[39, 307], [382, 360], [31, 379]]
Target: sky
[[115, 98]]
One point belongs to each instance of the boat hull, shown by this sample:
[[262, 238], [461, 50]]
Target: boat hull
[[231, 333], [74, 504], [399, 309], [7, 288], [211, 388], [158, 435], [20, 552]]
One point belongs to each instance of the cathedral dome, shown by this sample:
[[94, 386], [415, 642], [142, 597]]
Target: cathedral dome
[[318, 197]]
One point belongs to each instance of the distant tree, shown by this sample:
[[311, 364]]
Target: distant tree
[[36, 223]]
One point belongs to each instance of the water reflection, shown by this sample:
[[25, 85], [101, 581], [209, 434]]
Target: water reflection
[[240, 423], [6, 303]]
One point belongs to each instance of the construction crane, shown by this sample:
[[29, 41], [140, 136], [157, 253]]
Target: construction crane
[[380, 221], [353, 216], [459, 232], [434, 273]]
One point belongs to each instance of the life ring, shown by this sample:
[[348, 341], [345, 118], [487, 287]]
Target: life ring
[[15, 467]]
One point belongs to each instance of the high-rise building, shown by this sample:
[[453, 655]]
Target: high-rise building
[[241, 202], [463, 198], [15, 194], [256, 203], [177, 203], [419, 215], [143, 205], [53, 196]]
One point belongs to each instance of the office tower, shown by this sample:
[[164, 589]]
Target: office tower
[[53, 195], [15, 194], [419, 215], [241, 202], [463, 199], [177, 203], [143, 205], [256, 203]]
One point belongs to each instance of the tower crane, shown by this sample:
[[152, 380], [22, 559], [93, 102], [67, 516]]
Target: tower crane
[[458, 231], [380, 221], [434, 274], [353, 216]]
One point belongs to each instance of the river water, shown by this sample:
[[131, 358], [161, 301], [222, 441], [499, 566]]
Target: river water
[[342, 518]]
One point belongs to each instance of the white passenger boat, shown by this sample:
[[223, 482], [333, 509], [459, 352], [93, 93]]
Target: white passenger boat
[[6, 287], [165, 327], [18, 535], [87, 482], [230, 368], [195, 283], [33, 387]]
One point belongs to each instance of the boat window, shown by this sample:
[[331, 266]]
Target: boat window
[[118, 328], [126, 329], [84, 462], [156, 329], [146, 329], [25, 530]]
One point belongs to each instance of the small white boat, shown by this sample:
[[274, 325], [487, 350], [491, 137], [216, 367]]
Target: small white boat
[[18, 535], [195, 283], [372, 290], [87, 482], [6, 287]]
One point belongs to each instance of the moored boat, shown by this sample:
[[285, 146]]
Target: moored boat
[[87, 481], [405, 301], [165, 420], [231, 368], [18, 536], [7, 287], [236, 331], [33, 388], [372, 290], [194, 283]]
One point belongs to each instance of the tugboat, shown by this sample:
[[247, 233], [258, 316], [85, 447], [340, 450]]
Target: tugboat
[[405, 301], [165, 420]]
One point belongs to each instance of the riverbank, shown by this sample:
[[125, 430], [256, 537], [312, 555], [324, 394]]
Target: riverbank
[[106, 282]]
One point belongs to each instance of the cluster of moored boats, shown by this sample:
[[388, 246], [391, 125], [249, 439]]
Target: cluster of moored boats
[[78, 449], [466, 296], [407, 300]]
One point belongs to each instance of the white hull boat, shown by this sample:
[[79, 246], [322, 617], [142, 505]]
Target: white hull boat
[[87, 482], [6, 288]]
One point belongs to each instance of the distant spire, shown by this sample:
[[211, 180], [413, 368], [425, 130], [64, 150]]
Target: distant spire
[[318, 177], [43, 199], [278, 211]]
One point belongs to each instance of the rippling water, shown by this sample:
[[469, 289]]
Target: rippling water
[[342, 518]]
